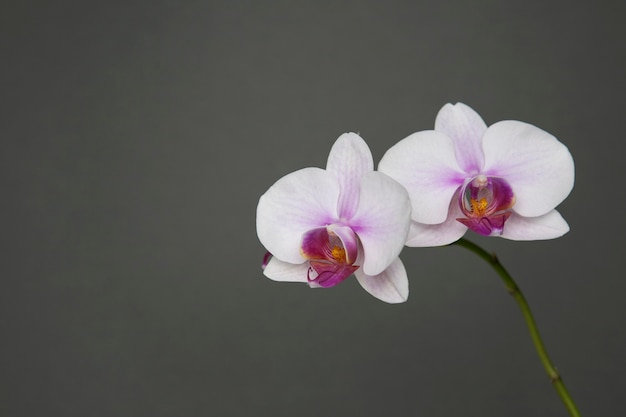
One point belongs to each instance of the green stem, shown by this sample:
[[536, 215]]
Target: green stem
[[514, 290]]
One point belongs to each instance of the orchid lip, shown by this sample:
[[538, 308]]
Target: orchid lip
[[266, 260], [331, 252], [486, 202]]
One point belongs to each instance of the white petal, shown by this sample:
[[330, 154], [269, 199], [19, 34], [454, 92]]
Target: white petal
[[466, 129], [539, 168], [381, 221], [278, 270], [296, 203], [391, 286], [426, 165], [349, 159], [548, 226], [422, 235]]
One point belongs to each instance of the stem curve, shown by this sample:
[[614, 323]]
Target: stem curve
[[517, 294]]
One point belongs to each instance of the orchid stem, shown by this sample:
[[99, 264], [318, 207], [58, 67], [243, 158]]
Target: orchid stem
[[514, 290]]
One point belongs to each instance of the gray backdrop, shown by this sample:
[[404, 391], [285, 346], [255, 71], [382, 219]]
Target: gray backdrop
[[137, 138]]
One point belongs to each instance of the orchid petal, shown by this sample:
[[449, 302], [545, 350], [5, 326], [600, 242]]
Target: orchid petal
[[278, 270], [390, 286], [423, 235], [296, 203], [539, 168], [381, 221], [548, 226], [466, 128], [425, 163], [349, 159]]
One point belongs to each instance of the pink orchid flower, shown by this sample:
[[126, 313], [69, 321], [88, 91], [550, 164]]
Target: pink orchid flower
[[502, 180], [321, 226]]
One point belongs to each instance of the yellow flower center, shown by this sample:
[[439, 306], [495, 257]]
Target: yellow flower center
[[338, 253], [479, 206]]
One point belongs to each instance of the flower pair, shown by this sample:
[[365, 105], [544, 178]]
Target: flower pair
[[321, 226]]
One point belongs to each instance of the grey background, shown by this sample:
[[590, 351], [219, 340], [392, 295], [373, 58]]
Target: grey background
[[137, 137]]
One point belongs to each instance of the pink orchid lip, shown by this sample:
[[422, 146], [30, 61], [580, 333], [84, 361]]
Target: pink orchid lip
[[486, 202], [266, 260], [331, 252]]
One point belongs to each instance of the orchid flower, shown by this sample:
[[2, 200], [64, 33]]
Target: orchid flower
[[502, 180], [321, 226]]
